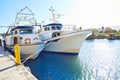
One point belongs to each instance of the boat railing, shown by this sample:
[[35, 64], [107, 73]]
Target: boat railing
[[71, 28]]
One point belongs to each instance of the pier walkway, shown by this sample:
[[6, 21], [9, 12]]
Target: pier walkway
[[10, 71]]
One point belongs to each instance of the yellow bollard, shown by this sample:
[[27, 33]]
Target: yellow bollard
[[17, 53]]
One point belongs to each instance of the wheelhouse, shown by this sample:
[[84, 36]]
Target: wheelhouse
[[22, 30], [52, 26]]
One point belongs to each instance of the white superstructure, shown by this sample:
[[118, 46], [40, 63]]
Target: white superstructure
[[29, 42], [62, 41]]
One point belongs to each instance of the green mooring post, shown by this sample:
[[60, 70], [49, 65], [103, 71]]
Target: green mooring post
[[17, 54]]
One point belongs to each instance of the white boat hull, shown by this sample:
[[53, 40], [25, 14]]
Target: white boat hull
[[70, 43], [30, 43], [31, 51]]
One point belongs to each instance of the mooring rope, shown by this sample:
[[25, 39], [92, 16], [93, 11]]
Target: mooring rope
[[26, 59]]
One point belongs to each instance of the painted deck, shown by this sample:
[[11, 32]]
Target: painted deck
[[10, 71]]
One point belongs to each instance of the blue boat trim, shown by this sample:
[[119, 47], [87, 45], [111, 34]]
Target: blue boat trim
[[23, 27], [53, 24], [67, 53]]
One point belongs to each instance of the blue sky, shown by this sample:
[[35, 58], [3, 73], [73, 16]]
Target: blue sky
[[40, 8], [85, 13], [9, 8]]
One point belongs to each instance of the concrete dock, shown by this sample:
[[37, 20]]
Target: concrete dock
[[10, 71]]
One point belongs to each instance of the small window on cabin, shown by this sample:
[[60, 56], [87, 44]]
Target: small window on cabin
[[26, 31], [45, 29], [58, 28], [48, 28], [53, 28], [10, 33], [58, 34], [16, 32]]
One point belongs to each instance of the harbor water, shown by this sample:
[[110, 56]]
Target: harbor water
[[99, 59]]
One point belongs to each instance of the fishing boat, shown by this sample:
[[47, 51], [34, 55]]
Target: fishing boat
[[24, 34], [62, 40], [29, 42]]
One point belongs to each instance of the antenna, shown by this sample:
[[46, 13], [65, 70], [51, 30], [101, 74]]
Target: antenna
[[54, 16], [25, 14]]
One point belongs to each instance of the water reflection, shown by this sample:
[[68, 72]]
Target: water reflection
[[101, 60], [97, 60]]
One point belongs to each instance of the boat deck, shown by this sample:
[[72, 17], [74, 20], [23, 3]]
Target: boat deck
[[10, 71]]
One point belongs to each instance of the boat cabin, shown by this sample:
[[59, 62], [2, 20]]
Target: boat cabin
[[22, 35], [52, 26], [22, 30], [51, 30]]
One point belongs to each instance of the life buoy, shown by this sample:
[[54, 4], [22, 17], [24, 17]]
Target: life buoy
[[35, 39], [27, 41]]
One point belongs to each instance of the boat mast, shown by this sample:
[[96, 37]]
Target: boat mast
[[54, 16], [23, 15]]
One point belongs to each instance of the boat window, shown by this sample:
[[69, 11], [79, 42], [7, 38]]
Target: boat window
[[58, 34], [16, 32], [55, 34], [58, 28], [46, 28], [10, 33], [26, 31], [53, 28]]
